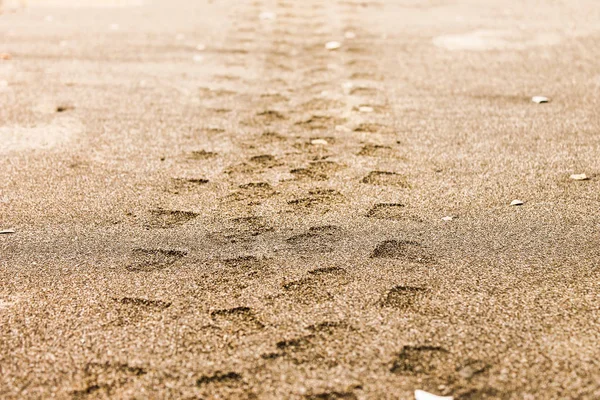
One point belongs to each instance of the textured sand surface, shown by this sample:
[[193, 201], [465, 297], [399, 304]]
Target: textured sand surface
[[203, 210]]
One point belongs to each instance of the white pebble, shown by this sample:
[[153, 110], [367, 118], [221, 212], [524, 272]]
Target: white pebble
[[319, 141], [333, 45], [267, 16], [579, 177], [350, 35], [365, 109], [423, 395], [516, 203], [539, 99], [447, 218]]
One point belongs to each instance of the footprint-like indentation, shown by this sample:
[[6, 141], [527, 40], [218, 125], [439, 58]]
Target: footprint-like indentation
[[321, 122], [333, 395], [363, 91], [148, 260], [143, 303], [187, 184], [270, 115], [317, 239], [254, 165], [201, 155], [385, 178], [365, 76], [317, 170], [392, 211], [243, 229], [318, 197], [274, 97], [238, 318], [401, 249], [163, 218], [328, 327], [220, 378], [403, 297], [373, 150], [317, 287], [321, 104], [421, 360], [209, 93], [253, 191], [102, 379], [369, 127]]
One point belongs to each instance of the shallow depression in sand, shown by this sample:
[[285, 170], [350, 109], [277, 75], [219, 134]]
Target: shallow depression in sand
[[15, 138]]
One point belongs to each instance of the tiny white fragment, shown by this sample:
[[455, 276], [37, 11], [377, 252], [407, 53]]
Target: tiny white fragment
[[333, 45], [365, 109], [201, 47], [198, 58], [539, 99], [5, 231], [267, 16], [579, 177], [350, 35], [423, 395], [516, 203], [319, 141], [448, 218], [347, 85]]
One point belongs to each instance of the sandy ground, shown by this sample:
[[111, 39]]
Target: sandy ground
[[202, 209]]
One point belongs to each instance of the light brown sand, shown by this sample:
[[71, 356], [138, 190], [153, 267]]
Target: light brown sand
[[178, 236]]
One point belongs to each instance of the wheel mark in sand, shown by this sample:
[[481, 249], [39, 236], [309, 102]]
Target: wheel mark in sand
[[385, 178], [148, 260], [402, 250]]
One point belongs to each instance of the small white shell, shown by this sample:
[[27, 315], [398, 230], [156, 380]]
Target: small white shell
[[516, 203], [579, 177], [319, 141], [423, 395], [448, 218], [333, 45], [5, 231], [540, 99]]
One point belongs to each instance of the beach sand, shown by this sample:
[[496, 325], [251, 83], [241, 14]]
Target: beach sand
[[208, 203]]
